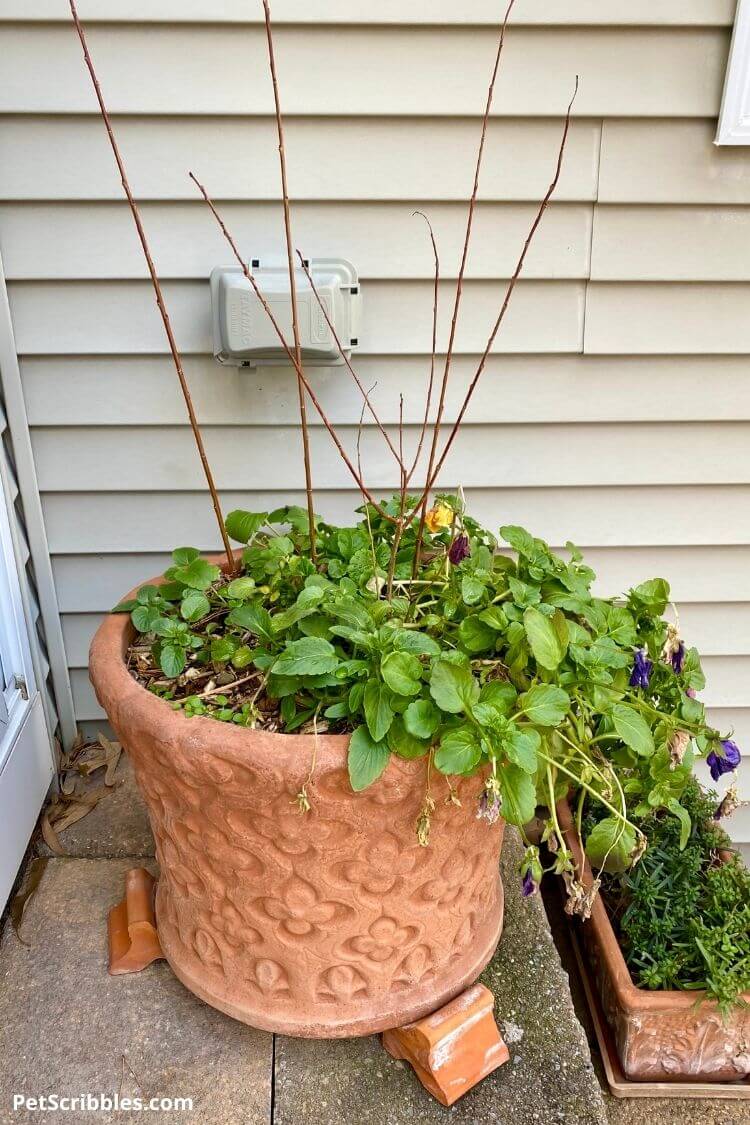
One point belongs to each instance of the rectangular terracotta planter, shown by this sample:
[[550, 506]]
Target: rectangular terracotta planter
[[660, 1036]]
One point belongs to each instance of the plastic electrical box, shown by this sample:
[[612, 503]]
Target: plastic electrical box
[[243, 333]]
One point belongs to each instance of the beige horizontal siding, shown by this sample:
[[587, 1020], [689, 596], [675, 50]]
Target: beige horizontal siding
[[111, 390], [335, 159], [705, 515], [670, 161], [671, 244], [615, 410], [700, 578], [667, 318], [70, 459], [386, 240], [648, 72], [94, 317], [403, 12]]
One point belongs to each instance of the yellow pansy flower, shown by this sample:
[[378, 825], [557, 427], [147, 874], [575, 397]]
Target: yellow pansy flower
[[439, 517]]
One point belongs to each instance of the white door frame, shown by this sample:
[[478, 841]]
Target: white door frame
[[26, 754]]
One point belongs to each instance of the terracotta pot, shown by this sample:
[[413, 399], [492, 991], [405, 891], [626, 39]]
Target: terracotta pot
[[331, 923], [660, 1036]]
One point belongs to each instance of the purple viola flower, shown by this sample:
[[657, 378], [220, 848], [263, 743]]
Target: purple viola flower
[[459, 549], [642, 668], [678, 658], [528, 885], [725, 762]]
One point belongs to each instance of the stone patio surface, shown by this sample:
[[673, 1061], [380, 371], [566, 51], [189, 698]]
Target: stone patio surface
[[67, 1027]]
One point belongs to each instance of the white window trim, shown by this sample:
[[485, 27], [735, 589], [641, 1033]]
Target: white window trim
[[734, 116]]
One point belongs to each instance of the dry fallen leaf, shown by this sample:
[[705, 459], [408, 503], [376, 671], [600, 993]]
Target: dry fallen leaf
[[24, 896]]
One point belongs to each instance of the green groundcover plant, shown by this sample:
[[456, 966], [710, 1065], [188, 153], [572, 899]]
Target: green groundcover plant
[[682, 914], [459, 654]]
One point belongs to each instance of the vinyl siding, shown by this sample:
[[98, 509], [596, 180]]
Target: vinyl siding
[[615, 408]]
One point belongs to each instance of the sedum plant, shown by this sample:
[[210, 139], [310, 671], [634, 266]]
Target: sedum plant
[[466, 657]]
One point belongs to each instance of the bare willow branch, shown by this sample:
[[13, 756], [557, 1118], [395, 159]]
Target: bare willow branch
[[157, 287], [508, 293], [459, 284], [433, 351], [290, 354], [292, 284], [345, 357]]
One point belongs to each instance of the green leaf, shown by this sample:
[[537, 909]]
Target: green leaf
[[144, 617], [545, 705], [197, 574], [547, 636], [610, 845], [402, 672], [471, 589], [367, 759], [520, 540], [494, 617], [692, 673], [652, 596], [401, 742], [223, 649], [172, 660], [421, 718], [475, 635], [183, 556], [377, 707], [410, 640], [309, 656], [243, 656], [519, 795], [683, 816], [500, 694], [521, 747], [242, 526], [194, 606], [241, 588], [453, 686], [459, 751], [254, 618], [633, 729]]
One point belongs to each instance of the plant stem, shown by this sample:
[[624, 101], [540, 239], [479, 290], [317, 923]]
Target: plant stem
[[157, 290], [292, 286]]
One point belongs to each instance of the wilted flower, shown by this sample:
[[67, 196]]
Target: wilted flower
[[438, 517], [725, 762], [642, 668], [673, 651], [490, 802], [729, 804], [424, 821], [459, 549], [678, 744], [528, 885]]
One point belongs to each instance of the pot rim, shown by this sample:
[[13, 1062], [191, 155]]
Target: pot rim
[[629, 996], [112, 681]]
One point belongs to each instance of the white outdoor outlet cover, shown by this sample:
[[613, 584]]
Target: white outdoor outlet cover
[[243, 333]]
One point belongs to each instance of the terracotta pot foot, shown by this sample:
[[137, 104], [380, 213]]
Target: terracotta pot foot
[[131, 926], [455, 1047]]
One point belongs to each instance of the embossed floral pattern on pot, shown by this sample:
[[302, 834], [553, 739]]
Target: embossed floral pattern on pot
[[299, 911], [384, 938]]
